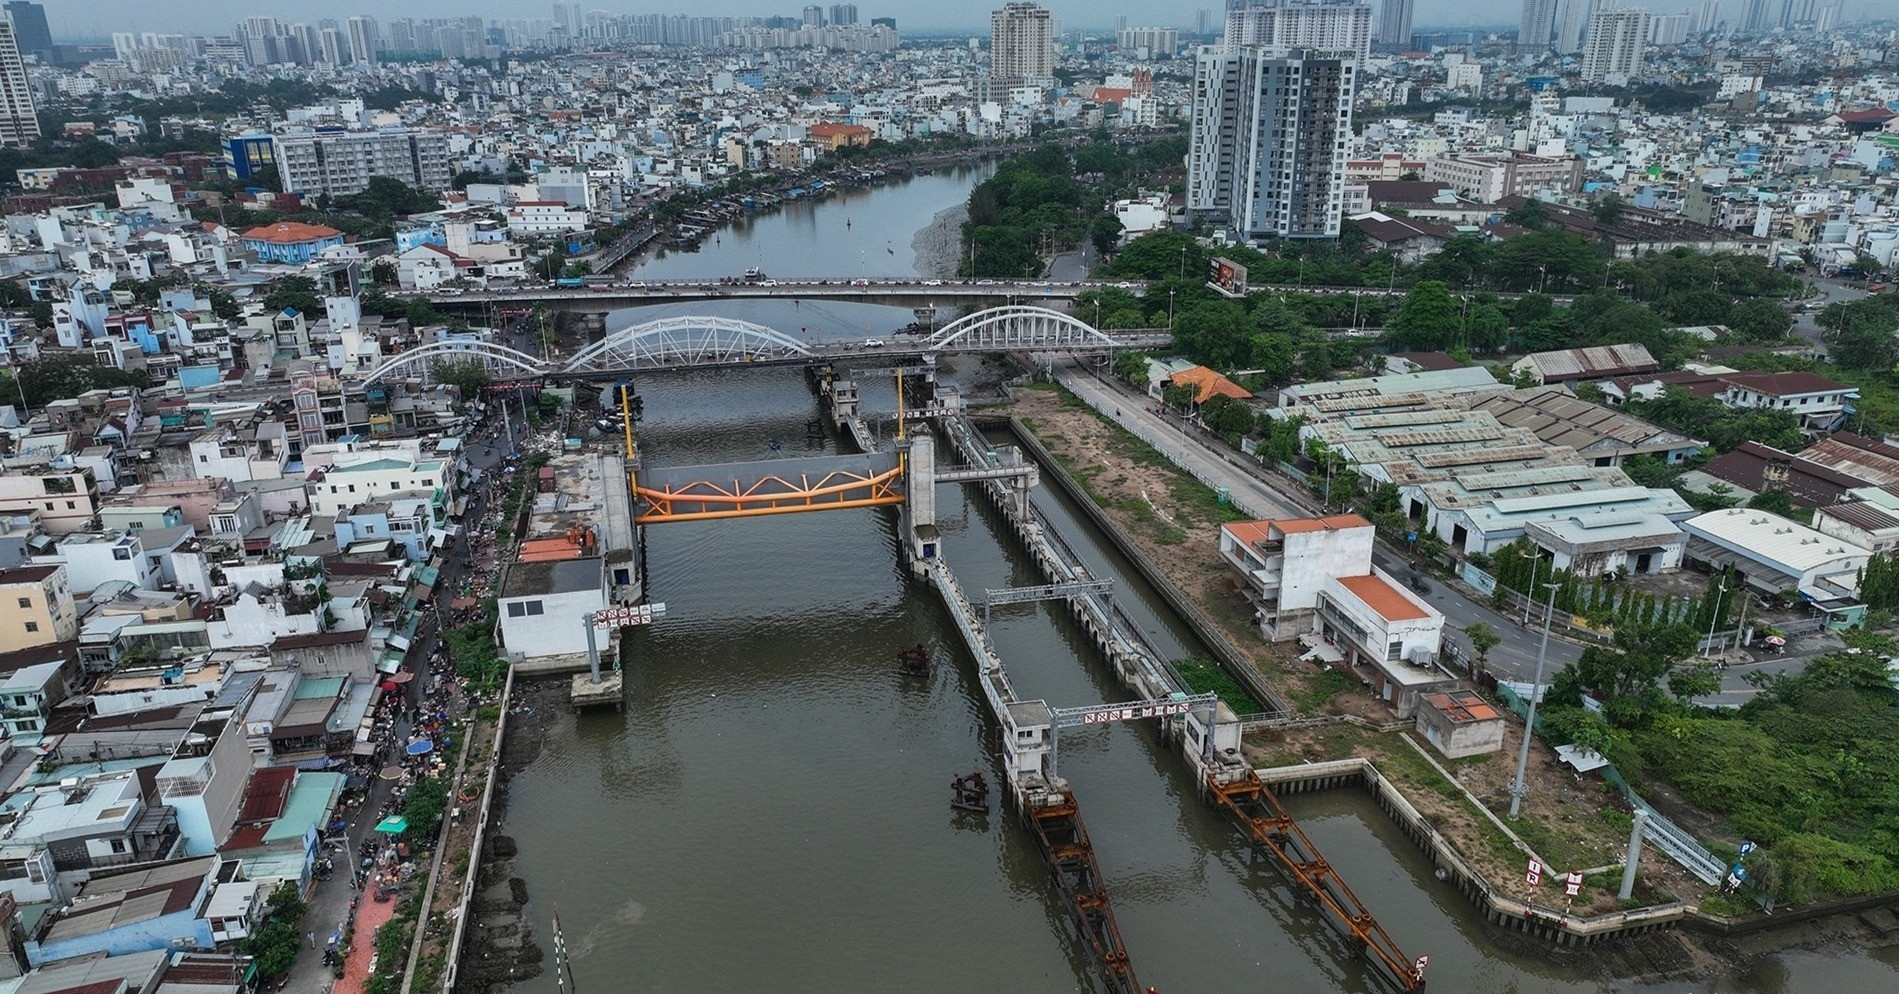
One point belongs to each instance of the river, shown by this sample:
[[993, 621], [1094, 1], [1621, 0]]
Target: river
[[771, 810]]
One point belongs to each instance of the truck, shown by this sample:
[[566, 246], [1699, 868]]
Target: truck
[[574, 282]]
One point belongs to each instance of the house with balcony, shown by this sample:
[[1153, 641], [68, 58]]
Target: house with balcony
[[36, 606], [79, 827], [29, 694], [1314, 577], [1820, 404], [160, 907], [66, 497]]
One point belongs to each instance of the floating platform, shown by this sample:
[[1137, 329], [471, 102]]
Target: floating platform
[[587, 694]]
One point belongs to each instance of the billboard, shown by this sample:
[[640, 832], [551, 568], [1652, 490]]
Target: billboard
[[1227, 276]]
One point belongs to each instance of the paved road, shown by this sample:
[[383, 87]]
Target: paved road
[[1806, 323], [1257, 491], [329, 901]]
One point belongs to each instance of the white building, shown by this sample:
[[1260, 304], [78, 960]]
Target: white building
[[1314, 577], [350, 482], [19, 121], [1328, 25], [1271, 132], [544, 606], [1538, 26], [1867, 517], [544, 217], [341, 163], [1618, 37], [1774, 554], [1022, 42], [95, 558], [1394, 25]]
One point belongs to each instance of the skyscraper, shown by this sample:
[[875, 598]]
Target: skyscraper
[[1022, 42], [364, 41], [813, 16], [1618, 37], [843, 13], [19, 124], [29, 29], [1754, 16], [1575, 15], [1537, 28], [1270, 134], [1321, 25], [1394, 25]]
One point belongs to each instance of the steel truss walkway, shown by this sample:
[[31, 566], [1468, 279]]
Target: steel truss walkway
[[746, 490], [1064, 841], [1266, 820]]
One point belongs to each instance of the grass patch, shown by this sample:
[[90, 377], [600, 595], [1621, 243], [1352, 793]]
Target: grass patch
[[1202, 501], [1329, 684], [1170, 535], [1203, 675]]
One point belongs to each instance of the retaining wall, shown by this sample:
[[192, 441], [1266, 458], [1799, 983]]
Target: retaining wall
[[1215, 640]]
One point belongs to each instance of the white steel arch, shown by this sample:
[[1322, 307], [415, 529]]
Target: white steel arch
[[685, 341], [1016, 326], [489, 354]]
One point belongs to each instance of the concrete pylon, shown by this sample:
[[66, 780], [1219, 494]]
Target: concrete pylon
[[594, 325], [919, 504]]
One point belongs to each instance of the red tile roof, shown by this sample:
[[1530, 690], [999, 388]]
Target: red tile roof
[[267, 793], [1382, 597], [291, 233]]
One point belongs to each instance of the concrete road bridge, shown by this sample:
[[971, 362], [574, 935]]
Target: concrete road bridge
[[688, 343]]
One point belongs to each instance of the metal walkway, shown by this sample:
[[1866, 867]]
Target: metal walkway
[[1266, 820], [1065, 844]]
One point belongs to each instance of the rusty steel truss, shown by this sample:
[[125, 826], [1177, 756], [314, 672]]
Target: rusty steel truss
[[1071, 857], [1266, 820], [761, 492]]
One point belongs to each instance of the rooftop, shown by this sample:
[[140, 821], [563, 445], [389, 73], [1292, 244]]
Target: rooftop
[[1379, 595], [1772, 537], [554, 576], [291, 233], [109, 902]]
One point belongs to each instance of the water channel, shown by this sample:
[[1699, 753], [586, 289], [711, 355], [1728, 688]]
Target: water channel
[[771, 809]]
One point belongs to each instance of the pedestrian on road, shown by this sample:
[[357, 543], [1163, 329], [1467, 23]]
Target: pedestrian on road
[[312, 937]]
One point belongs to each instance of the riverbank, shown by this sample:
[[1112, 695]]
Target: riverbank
[[501, 947], [939, 244], [1155, 512]]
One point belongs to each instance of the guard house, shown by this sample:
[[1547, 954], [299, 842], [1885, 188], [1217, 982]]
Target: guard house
[[1460, 723], [542, 604], [1388, 638], [1313, 577]]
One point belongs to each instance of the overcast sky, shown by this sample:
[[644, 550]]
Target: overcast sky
[[98, 18]]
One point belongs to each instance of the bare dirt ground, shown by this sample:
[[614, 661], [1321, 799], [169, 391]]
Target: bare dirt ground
[[1571, 821]]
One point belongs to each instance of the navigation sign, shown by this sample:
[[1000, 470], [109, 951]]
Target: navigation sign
[[1572, 883], [1417, 969], [1534, 874], [1136, 712], [1746, 847], [638, 614]]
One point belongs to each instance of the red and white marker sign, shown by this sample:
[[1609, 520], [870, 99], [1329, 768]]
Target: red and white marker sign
[[1418, 967], [1534, 875], [1572, 883]]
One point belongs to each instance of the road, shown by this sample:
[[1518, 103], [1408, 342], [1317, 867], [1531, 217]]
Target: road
[[1806, 322], [1257, 491], [329, 901]]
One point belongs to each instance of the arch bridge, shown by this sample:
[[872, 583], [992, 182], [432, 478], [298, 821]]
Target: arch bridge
[[696, 341]]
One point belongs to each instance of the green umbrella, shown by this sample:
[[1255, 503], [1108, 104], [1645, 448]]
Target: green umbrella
[[394, 825]]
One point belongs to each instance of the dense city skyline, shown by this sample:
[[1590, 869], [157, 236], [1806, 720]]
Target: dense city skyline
[[95, 19]]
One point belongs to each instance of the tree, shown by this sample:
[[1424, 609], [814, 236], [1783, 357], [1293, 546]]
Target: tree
[[1132, 367], [1483, 637], [1626, 676], [1759, 320], [1231, 419], [1428, 321], [1105, 233], [276, 944], [1608, 210], [467, 376], [293, 293]]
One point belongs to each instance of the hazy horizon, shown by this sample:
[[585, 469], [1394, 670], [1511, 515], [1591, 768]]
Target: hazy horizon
[[79, 20]]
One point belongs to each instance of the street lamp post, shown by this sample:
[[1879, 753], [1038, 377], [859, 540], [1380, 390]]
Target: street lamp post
[[1720, 589], [1170, 310], [1520, 787], [1535, 560], [1183, 262]]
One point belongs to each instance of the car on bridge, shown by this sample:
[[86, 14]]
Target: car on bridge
[[873, 343]]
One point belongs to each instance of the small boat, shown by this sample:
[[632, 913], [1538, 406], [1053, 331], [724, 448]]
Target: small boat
[[970, 793], [914, 661], [847, 222]]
